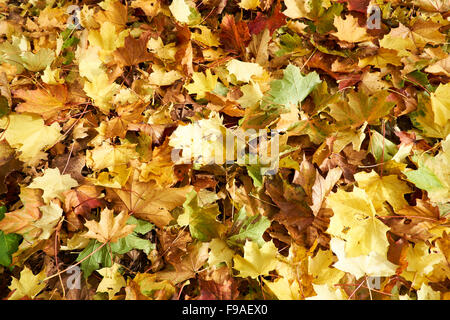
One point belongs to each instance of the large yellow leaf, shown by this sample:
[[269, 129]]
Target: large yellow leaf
[[28, 134], [440, 103], [256, 261], [53, 183], [354, 220], [386, 188], [112, 280], [28, 285], [349, 30], [372, 264]]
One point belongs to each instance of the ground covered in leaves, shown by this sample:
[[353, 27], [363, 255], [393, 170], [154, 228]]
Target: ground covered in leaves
[[97, 97]]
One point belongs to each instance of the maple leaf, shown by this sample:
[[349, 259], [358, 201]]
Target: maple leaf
[[244, 71], [294, 87], [386, 188], [275, 21], [322, 187], [180, 10], [372, 264], [51, 216], [349, 30], [110, 228], [355, 221], [9, 243], [28, 285], [134, 51], [440, 103], [256, 261], [25, 132], [234, 35], [20, 220], [361, 108], [53, 183], [220, 252], [188, 265], [201, 219], [319, 268], [112, 280], [202, 83], [148, 202], [247, 227]]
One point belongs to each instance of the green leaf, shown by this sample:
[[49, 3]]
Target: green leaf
[[142, 226], [130, 242], [424, 179], [294, 87], [201, 219], [325, 22], [376, 147], [4, 106], [248, 228], [100, 258], [9, 243]]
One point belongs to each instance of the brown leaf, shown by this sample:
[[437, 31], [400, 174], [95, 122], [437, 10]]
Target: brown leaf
[[47, 101], [148, 202], [134, 51], [234, 35]]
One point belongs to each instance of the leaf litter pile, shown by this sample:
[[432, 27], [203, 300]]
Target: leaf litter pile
[[97, 96]]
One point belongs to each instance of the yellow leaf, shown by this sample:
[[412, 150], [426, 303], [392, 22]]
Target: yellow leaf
[[220, 252], [420, 264], [296, 9], [244, 70], [319, 268], [52, 76], [150, 7], [102, 91], [348, 30], [29, 285], [116, 177], [427, 293], [354, 220], [160, 77], [110, 228], [108, 38], [440, 103], [112, 280], [249, 4], [109, 156], [381, 59], [160, 168], [205, 36], [53, 183], [180, 10], [256, 261], [386, 188], [51, 215], [162, 51], [202, 83], [372, 264], [283, 289], [441, 67], [251, 95], [326, 292], [28, 134], [38, 61]]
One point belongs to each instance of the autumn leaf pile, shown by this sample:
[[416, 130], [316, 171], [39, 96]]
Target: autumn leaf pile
[[97, 98]]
